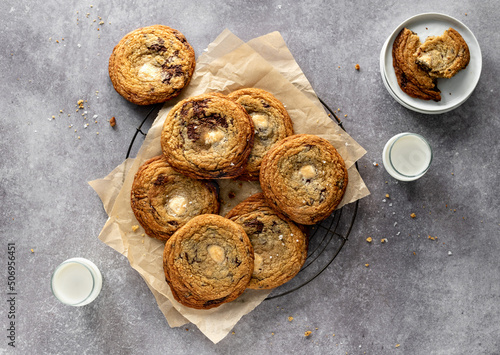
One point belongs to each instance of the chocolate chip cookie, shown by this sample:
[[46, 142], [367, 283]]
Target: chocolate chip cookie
[[208, 136], [164, 200], [443, 56], [208, 262], [280, 246], [412, 79], [151, 65], [272, 123], [304, 178]]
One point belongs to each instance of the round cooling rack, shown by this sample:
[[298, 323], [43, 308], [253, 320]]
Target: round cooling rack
[[326, 238]]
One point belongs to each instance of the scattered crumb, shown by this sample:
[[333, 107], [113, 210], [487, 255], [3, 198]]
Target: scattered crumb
[[290, 319], [231, 194], [375, 164], [414, 253], [112, 121], [32, 251], [387, 195], [307, 333], [357, 67], [232, 333], [272, 333], [80, 103], [135, 228], [369, 239], [367, 265], [333, 335], [383, 240], [413, 215], [431, 238], [398, 345]]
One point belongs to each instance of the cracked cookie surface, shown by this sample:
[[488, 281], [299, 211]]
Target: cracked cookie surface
[[280, 246], [272, 123], [208, 262], [303, 178], [208, 136], [151, 64], [443, 56], [164, 200], [412, 79]]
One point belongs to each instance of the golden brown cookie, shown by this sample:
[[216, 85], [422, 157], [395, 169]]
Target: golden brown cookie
[[443, 56], [208, 136], [304, 178], [412, 79], [163, 200], [208, 262], [272, 123], [280, 246], [151, 65]]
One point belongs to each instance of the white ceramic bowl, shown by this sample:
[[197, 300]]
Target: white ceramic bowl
[[454, 91]]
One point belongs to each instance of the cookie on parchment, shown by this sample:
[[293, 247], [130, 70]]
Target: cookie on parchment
[[151, 64], [304, 178], [208, 136], [272, 123], [412, 79], [280, 246], [163, 200], [443, 56], [208, 262]]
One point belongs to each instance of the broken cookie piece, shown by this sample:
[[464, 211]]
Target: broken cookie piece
[[412, 79], [443, 56]]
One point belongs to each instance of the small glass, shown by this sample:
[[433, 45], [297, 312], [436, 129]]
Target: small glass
[[76, 282], [407, 156]]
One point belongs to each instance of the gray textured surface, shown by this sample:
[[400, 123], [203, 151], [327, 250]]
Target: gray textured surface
[[413, 293]]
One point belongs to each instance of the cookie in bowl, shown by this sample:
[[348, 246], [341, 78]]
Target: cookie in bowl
[[280, 246], [303, 178], [272, 123], [151, 65], [208, 137], [164, 200], [208, 262]]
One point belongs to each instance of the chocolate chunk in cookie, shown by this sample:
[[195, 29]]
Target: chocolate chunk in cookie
[[280, 246], [208, 262], [151, 65], [303, 178], [272, 123], [208, 136], [164, 200]]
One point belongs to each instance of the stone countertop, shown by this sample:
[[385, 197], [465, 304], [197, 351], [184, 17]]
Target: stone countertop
[[417, 296]]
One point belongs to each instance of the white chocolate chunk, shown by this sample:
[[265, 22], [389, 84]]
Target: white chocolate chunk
[[177, 205], [307, 172], [216, 253], [149, 72], [257, 263], [260, 121], [212, 137]]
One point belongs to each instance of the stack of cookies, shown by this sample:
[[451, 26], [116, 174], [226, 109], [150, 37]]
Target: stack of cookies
[[261, 243]]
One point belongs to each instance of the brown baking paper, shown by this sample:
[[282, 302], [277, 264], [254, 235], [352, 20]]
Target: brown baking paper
[[226, 65]]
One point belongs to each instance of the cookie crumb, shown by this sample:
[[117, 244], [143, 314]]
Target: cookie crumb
[[307, 333], [413, 215], [383, 240], [387, 195], [34, 251], [112, 121], [135, 228], [449, 252], [290, 319], [357, 67], [369, 239], [398, 345], [367, 265], [375, 164]]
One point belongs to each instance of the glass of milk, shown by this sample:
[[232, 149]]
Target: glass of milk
[[76, 282], [407, 156]]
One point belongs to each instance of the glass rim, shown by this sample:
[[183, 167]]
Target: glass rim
[[425, 141], [69, 261]]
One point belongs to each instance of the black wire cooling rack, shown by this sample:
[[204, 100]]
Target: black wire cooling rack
[[326, 239]]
